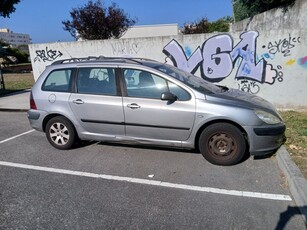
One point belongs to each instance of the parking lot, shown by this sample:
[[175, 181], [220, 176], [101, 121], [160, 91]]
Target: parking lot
[[107, 186]]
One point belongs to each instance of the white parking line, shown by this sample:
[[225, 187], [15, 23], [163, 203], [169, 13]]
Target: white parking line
[[153, 182], [19, 135]]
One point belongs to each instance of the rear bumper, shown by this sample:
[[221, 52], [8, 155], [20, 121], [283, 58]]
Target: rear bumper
[[264, 140], [36, 118]]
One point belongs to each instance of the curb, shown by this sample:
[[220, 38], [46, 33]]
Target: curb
[[295, 178], [15, 93], [13, 110], [15, 101]]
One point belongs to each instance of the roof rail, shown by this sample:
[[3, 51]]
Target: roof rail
[[99, 58], [70, 60]]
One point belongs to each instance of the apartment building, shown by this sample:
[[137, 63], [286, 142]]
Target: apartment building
[[15, 39]]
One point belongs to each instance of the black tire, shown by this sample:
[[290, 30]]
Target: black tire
[[60, 133], [222, 144]]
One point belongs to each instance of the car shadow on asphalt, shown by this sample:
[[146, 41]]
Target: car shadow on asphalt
[[140, 146], [160, 148], [149, 147], [288, 214]]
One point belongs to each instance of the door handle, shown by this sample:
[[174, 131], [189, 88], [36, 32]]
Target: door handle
[[78, 101], [133, 106]]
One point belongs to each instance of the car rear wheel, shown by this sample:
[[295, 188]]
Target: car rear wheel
[[222, 144], [60, 133]]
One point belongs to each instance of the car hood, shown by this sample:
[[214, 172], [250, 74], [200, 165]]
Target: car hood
[[235, 97]]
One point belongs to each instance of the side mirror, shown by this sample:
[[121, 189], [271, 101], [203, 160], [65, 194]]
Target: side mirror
[[167, 96]]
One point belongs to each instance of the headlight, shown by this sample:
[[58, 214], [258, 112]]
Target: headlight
[[267, 117]]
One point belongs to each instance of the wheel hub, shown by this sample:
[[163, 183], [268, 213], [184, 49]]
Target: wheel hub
[[59, 134], [221, 144]]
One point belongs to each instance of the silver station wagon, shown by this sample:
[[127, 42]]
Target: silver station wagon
[[140, 101]]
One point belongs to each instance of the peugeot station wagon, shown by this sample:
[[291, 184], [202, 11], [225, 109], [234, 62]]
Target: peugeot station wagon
[[145, 102]]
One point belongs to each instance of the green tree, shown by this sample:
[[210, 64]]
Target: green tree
[[12, 55], [95, 21], [204, 26], [240, 11], [248, 8], [220, 25], [3, 47], [7, 7]]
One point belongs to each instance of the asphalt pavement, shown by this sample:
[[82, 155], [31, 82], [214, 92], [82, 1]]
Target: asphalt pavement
[[20, 101]]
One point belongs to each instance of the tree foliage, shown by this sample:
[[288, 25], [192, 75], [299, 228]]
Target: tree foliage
[[12, 55], [95, 21], [204, 26], [248, 8], [7, 7]]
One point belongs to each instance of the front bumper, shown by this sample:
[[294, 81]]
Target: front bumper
[[265, 139]]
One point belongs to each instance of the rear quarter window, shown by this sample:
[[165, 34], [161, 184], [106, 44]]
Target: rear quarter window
[[58, 81]]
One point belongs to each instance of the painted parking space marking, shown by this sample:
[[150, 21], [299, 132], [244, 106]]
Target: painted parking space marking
[[19, 135], [259, 195]]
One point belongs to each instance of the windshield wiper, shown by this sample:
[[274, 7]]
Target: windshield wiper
[[223, 88]]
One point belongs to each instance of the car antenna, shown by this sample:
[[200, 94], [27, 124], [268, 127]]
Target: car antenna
[[65, 50]]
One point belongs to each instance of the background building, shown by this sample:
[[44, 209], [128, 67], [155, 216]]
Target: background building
[[15, 39]]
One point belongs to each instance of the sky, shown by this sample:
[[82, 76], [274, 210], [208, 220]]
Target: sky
[[42, 19]]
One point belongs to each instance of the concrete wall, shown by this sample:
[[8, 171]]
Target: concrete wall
[[271, 64], [151, 31]]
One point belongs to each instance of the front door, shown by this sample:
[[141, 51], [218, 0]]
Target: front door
[[149, 117]]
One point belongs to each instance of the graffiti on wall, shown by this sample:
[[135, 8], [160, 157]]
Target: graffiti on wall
[[218, 56], [283, 46], [47, 55], [125, 47], [302, 62], [249, 86]]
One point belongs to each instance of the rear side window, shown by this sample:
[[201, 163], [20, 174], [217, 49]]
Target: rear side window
[[100, 81], [58, 81]]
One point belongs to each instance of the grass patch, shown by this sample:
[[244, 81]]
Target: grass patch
[[17, 82], [296, 134]]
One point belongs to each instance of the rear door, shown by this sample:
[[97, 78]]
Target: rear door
[[97, 102]]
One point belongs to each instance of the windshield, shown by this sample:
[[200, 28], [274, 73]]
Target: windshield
[[189, 79]]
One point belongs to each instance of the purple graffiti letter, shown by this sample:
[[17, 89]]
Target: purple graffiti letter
[[246, 50], [176, 53], [217, 62]]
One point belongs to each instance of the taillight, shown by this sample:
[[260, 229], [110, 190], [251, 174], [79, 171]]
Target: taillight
[[32, 102]]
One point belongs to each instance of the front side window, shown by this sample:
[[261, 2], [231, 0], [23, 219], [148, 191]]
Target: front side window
[[181, 94], [96, 81], [187, 78], [58, 81], [144, 84]]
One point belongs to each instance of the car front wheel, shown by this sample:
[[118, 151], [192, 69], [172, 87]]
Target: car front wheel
[[222, 144], [60, 133]]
